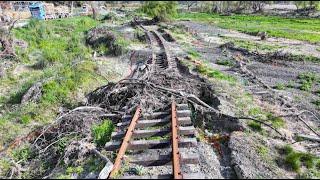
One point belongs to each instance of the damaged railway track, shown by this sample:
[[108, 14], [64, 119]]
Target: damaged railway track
[[157, 139], [155, 109], [143, 135]]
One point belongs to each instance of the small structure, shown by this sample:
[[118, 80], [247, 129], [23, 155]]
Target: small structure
[[37, 10], [45, 11]]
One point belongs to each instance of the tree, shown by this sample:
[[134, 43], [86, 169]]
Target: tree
[[94, 9], [190, 4], [307, 4], [258, 5], [160, 10]]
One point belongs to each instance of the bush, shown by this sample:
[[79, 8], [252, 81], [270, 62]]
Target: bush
[[102, 132], [161, 10]]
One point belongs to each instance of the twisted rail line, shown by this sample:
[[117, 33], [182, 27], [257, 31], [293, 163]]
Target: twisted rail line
[[156, 139]]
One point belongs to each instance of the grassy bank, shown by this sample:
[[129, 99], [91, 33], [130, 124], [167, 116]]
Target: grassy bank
[[291, 28], [57, 57]]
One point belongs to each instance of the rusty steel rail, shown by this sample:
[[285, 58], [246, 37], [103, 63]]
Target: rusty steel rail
[[168, 62], [125, 143], [175, 149]]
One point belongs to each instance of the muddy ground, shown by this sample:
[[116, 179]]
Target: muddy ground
[[207, 40]]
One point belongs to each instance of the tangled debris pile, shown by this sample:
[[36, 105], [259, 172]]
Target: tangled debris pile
[[104, 36]]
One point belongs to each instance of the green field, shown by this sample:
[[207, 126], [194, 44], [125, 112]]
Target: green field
[[291, 28]]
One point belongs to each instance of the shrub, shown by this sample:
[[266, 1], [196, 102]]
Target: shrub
[[5, 167], [161, 10], [102, 132]]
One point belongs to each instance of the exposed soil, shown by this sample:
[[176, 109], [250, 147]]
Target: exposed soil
[[271, 71]]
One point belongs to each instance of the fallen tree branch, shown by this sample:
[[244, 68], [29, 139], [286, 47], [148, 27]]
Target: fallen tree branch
[[248, 118], [308, 137], [300, 118]]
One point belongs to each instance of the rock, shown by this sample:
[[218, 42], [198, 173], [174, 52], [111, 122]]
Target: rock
[[106, 170], [91, 175], [33, 94]]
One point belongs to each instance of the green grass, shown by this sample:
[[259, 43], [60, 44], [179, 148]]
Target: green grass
[[254, 46], [71, 170], [264, 152], [296, 160], [64, 66], [280, 86], [225, 62], [308, 80], [291, 28], [317, 103], [255, 126], [308, 76], [276, 122], [194, 54], [23, 153], [258, 113], [102, 132], [212, 73]]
